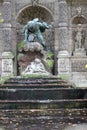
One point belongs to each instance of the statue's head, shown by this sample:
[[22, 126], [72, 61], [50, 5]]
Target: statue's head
[[36, 19], [79, 27], [37, 60]]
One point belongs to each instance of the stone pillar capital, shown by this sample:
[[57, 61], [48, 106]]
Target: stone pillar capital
[[61, 1], [6, 0], [63, 12], [7, 11]]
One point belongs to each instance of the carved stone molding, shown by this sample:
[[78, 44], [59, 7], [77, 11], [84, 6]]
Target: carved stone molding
[[63, 62], [78, 65], [7, 12], [7, 63], [34, 2], [7, 39]]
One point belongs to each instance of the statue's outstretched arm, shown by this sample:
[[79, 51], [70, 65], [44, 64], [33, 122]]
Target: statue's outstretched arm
[[47, 26]]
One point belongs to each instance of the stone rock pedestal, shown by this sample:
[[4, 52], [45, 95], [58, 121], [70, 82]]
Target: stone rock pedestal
[[7, 64], [32, 59], [63, 63]]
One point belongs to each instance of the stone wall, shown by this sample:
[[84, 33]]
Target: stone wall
[[62, 14]]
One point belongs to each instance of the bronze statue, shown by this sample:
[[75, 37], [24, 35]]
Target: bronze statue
[[34, 28]]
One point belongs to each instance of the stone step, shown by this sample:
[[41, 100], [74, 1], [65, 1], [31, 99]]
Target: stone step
[[35, 80], [31, 104], [38, 120], [44, 123], [26, 113], [40, 82], [43, 104], [50, 85], [45, 93]]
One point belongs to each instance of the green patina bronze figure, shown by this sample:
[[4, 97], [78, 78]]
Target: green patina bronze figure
[[34, 28]]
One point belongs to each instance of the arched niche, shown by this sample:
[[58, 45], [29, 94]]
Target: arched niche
[[79, 20], [31, 12], [79, 24], [28, 13]]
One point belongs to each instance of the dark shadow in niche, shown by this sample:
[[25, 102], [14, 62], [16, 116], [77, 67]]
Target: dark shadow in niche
[[79, 20]]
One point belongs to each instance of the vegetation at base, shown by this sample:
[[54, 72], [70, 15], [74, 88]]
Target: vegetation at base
[[49, 60], [50, 63], [50, 55], [19, 56], [21, 45], [5, 78], [1, 19], [64, 77]]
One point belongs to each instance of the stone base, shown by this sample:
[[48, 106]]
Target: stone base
[[80, 52], [7, 64], [27, 53], [30, 46], [63, 63], [78, 80]]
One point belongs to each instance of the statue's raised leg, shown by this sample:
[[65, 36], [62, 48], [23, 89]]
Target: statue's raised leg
[[41, 40]]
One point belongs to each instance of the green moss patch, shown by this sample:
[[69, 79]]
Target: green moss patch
[[49, 60], [5, 78], [64, 77], [21, 45], [50, 63]]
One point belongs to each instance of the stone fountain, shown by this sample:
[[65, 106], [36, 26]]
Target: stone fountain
[[33, 56], [37, 99]]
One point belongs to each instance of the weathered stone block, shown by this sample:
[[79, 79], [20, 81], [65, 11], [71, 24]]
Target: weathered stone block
[[7, 63], [63, 62]]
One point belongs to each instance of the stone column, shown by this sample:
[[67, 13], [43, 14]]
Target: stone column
[[63, 55], [14, 35], [7, 11], [7, 52], [1, 42], [7, 25], [62, 24], [56, 30]]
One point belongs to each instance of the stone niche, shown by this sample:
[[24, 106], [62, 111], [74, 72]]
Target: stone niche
[[77, 18], [79, 36], [30, 52], [79, 40], [30, 13]]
